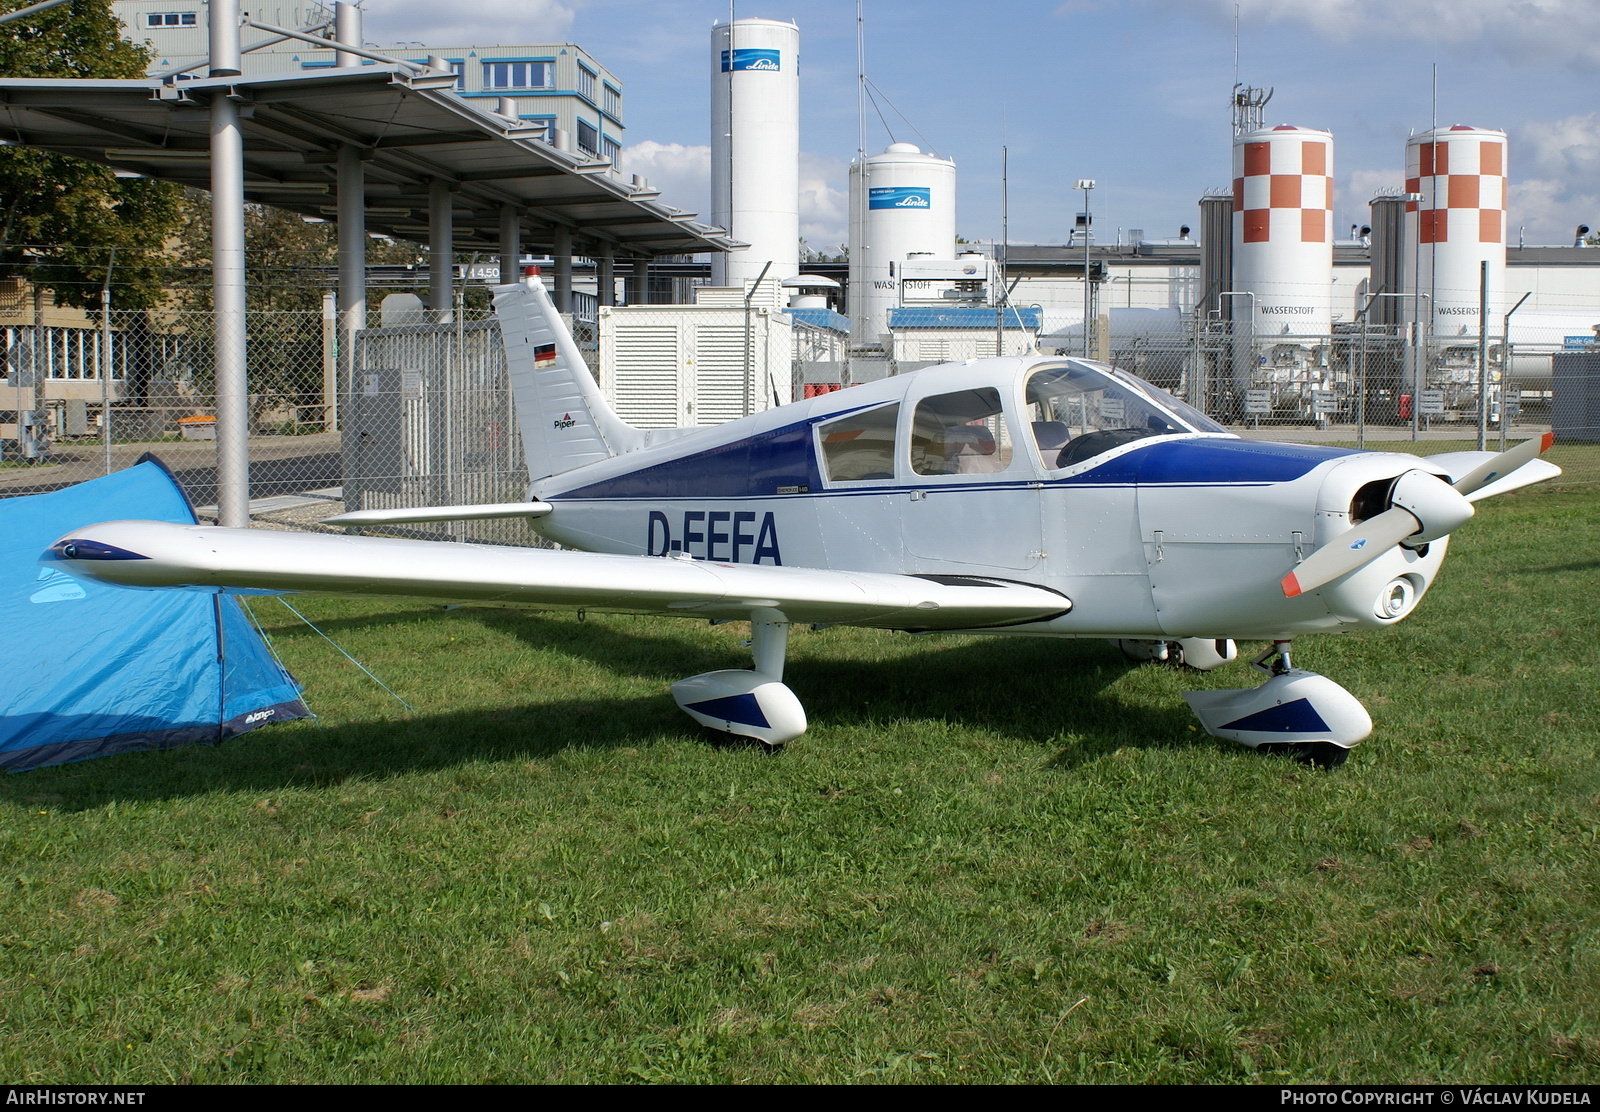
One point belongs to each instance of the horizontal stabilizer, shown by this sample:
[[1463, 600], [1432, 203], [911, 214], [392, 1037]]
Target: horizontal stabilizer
[[440, 513], [156, 554]]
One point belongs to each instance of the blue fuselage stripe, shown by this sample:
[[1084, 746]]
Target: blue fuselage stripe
[[758, 467]]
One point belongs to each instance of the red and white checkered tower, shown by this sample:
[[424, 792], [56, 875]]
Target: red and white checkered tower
[[1461, 173], [1283, 232]]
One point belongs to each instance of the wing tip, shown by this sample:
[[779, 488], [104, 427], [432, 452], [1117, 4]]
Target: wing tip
[[1290, 585], [1545, 441]]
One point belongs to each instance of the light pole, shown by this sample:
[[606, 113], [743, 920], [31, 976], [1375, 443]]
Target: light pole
[[1505, 365], [1085, 222], [1416, 313]]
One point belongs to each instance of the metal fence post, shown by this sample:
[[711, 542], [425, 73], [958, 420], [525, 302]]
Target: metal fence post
[[105, 366]]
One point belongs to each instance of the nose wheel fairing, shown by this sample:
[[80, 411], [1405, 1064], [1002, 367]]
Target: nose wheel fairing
[[748, 702], [1294, 709], [743, 703]]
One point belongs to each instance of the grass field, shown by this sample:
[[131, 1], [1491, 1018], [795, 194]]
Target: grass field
[[987, 861]]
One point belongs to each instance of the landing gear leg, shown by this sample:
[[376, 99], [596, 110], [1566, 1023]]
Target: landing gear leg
[[748, 704], [1200, 653], [1298, 713], [1273, 660]]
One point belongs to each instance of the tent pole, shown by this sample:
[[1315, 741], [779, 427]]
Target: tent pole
[[222, 667]]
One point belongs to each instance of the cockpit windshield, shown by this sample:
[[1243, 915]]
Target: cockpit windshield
[[1079, 412]]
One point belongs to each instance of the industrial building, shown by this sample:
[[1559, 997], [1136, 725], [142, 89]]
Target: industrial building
[[558, 85], [1265, 313]]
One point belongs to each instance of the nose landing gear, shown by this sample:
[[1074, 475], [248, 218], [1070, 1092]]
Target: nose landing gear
[[1295, 712]]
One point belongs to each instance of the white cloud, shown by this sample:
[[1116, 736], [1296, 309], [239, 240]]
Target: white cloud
[[824, 202], [1549, 30], [1545, 211], [468, 22], [1555, 177], [1363, 185], [1567, 146], [1353, 194], [682, 173]]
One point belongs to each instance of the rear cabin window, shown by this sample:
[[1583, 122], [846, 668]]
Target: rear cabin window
[[960, 434], [859, 446]]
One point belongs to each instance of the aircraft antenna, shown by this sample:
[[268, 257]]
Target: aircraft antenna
[[1249, 108], [999, 263]]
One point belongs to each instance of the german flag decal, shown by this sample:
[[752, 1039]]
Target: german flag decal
[[544, 355]]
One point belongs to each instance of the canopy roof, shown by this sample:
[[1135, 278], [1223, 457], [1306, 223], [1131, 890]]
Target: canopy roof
[[409, 127]]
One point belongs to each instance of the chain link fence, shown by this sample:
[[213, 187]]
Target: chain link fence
[[1372, 376], [421, 414], [429, 421]]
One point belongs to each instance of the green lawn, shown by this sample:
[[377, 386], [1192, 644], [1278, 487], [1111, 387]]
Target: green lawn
[[988, 861]]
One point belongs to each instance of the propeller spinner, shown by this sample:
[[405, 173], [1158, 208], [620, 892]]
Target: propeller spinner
[[1422, 507]]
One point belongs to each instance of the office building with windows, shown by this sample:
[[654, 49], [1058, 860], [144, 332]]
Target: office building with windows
[[559, 85]]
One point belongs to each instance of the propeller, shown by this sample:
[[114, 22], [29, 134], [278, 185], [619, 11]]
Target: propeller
[[1422, 507], [1503, 464]]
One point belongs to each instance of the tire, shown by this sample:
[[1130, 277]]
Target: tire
[[1316, 754], [722, 739]]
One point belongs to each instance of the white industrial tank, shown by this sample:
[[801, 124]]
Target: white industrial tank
[[755, 147], [1461, 174], [902, 202], [1283, 231]]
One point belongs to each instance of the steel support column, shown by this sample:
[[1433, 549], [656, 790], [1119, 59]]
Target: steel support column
[[227, 276], [606, 279], [441, 249], [346, 29], [510, 244], [563, 254], [352, 217], [639, 294]]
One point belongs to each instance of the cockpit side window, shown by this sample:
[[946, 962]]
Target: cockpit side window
[[1079, 412], [859, 445], [963, 433]]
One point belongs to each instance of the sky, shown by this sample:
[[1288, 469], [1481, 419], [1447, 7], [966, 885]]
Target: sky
[[1131, 93]]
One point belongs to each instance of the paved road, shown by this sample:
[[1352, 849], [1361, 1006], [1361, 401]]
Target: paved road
[[278, 465], [1346, 434]]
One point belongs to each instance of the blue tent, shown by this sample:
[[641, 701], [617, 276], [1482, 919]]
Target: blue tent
[[87, 669]]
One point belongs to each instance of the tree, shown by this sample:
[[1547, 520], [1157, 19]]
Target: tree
[[289, 265], [61, 217]]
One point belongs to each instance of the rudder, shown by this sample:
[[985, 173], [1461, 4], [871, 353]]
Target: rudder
[[566, 421]]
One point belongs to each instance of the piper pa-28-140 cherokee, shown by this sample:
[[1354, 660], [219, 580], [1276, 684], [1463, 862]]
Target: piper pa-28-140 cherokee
[[1048, 497]]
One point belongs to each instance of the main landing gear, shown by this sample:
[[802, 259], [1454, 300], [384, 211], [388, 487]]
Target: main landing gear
[[741, 703], [1298, 713]]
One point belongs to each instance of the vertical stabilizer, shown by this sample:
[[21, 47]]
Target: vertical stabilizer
[[565, 420]]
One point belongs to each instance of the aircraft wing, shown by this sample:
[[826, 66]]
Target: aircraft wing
[[158, 554]]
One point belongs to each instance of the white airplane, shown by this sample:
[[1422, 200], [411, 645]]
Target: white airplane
[[1043, 497]]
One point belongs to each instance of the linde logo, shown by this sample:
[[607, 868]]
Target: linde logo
[[750, 58], [899, 196]]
